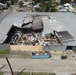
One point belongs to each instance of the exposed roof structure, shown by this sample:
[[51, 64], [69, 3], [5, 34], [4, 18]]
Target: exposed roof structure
[[27, 26], [7, 24], [18, 19], [36, 24], [65, 37], [28, 19], [59, 22]]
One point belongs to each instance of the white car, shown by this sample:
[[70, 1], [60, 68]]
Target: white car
[[36, 6], [29, 5]]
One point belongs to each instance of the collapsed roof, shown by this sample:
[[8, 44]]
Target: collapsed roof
[[36, 24], [18, 20], [65, 36]]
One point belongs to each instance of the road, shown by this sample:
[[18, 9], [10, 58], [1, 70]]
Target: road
[[40, 65], [7, 12]]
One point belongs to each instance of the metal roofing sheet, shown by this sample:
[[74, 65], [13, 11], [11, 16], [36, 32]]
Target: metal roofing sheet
[[37, 24], [27, 26], [65, 37]]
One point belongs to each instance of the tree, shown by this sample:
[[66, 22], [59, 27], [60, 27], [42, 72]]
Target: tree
[[43, 5], [65, 1], [36, 1], [20, 3], [48, 5], [13, 1], [3, 1], [74, 1], [25, 0], [8, 4]]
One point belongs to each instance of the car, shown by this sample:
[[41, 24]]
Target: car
[[29, 5], [36, 6], [63, 9]]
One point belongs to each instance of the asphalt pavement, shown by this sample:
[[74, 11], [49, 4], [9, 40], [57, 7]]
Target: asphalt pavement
[[49, 65]]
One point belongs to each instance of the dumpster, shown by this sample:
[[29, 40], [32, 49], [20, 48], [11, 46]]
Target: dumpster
[[40, 56]]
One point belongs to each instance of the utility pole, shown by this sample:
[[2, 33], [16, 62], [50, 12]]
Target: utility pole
[[10, 66], [12, 69]]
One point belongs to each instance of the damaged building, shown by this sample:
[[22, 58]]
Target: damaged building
[[22, 31]]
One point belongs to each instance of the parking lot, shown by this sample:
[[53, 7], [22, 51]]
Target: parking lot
[[51, 65]]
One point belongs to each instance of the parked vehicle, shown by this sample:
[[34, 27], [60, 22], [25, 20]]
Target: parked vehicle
[[40, 56], [29, 5], [63, 9]]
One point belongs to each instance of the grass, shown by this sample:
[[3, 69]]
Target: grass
[[1, 73], [38, 74], [30, 9], [73, 74], [74, 7], [74, 50], [4, 51]]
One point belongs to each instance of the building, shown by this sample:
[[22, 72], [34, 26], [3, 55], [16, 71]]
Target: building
[[52, 35]]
